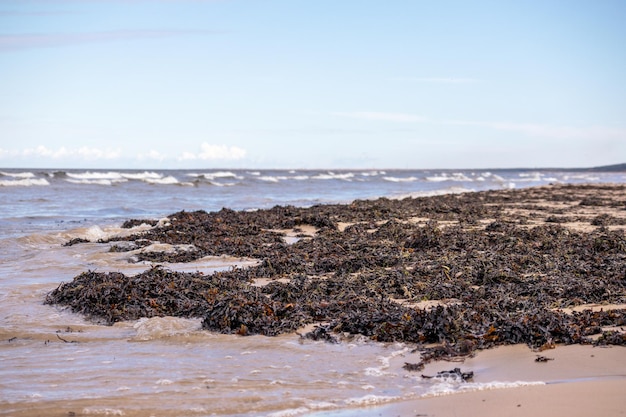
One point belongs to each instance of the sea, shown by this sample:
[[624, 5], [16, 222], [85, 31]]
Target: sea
[[55, 362]]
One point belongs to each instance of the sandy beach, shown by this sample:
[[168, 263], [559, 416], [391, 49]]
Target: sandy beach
[[580, 381]]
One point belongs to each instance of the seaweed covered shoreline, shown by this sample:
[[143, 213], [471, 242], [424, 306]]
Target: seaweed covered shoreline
[[451, 273]]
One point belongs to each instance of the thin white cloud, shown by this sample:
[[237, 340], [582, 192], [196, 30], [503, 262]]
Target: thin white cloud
[[49, 40], [381, 116], [153, 155], [207, 152], [530, 129], [94, 153], [187, 156], [109, 1], [439, 80], [214, 152], [42, 13], [556, 132], [82, 153]]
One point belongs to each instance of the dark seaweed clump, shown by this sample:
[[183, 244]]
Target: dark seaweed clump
[[498, 265]]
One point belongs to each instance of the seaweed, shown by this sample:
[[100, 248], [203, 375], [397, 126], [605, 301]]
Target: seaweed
[[499, 267]]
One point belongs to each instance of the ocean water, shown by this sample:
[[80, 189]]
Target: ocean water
[[54, 362]]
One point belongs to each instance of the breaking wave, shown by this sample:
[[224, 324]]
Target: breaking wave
[[355, 184], [25, 182], [17, 174]]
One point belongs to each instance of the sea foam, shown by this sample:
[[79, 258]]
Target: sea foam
[[17, 174], [400, 179], [162, 327], [25, 182], [347, 176], [451, 386], [103, 411], [371, 400], [456, 177]]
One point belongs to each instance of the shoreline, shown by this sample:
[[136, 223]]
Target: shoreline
[[579, 381], [576, 399]]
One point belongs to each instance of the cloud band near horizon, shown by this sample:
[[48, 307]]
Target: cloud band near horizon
[[207, 152], [530, 129]]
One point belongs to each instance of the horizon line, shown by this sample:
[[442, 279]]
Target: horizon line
[[616, 167]]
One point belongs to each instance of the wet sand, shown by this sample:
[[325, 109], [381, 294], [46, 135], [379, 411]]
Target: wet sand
[[579, 381], [578, 399]]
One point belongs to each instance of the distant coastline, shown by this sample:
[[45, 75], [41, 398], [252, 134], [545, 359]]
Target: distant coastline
[[608, 168], [603, 168]]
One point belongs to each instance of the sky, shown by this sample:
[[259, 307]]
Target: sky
[[408, 84]]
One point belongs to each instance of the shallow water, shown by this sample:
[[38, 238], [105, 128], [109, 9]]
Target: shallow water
[[53, 362], [57, 360]]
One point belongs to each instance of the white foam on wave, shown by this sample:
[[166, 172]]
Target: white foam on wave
[[107, 178], [385, 363], [17, 174], [155, 178], [535, 177], [142, 175], [169, 180], [210, 176], [371, 399], [25, 182], [103, 411], [375, 371], [101, 181], [95, 233], [372, 173], [110, 175], [333, 176], [311, 406], [451, 386], [269, 178], [291, 412], [321, 405], [113, 177], [163, 327], [164, 381], [456, 177], [431, 193], [400, 179], [583, 177]]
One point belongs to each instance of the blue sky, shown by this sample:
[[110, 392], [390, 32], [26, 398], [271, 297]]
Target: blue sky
[[312, 83]]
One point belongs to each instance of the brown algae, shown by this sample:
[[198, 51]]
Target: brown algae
[[502, 266]]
